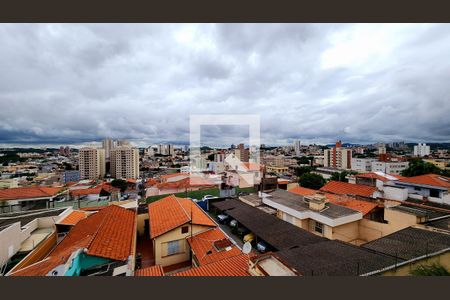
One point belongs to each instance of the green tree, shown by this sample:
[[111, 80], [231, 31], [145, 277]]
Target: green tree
[[419, 167], [302, 170], [431, 270], [311, 181], [120, 184], [340, 176]]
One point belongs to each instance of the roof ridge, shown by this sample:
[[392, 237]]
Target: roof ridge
[[189, 217]]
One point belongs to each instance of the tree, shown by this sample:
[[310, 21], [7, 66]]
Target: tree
[[340, 176], [311, 181], [431, 270], [302, 170], [419, 167], [211, 157], [120, 184]]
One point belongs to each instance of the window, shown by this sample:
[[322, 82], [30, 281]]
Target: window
[[434, 193], [173, 247], [184, 229], [318, 227]]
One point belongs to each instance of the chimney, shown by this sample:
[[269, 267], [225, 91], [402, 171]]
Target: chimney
[[317, 202]]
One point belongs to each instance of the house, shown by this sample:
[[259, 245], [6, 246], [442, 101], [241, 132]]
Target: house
[[429, 187], [27, 198], [345, 188], [178, 183], [101, 244], [317, 215], [171, 221]]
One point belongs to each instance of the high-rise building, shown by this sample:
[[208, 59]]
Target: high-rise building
[[108, 145], [421, 150], [149, 151], [61, 150], [381, 149], [91, 163], [338, 157], [241, 153], [125, 162], [297, 147], [166, 149], [121, 143], [67, 151]]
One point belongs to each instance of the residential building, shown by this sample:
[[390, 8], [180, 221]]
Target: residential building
[[349, 189], [421, 150], [91, 162], [71, 176], [381, 149], [149, 151], [108, 145], [429, 187], [297, 148], [338, 157], [389, 167], [27, 198], [101, 244], [169, 234], [166, 149], [241, 153], [362, 165], [125, 162]]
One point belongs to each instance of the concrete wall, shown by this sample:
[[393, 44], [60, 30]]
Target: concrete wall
[[443, 259], [395, 193], [140, 219], [10, 241], [159, 245]]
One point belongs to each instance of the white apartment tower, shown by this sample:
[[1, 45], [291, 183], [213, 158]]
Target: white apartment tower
[[421, 150], [108, 145], [91, 163], [125, 162], [297, 148], [166, 149], [338, 157]]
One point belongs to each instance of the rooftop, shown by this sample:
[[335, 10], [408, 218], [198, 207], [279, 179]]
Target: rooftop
[[380, 176], [276, 232], [171, 212], [428, 179], [150, 271], [26, 217], [73, 218], [233, 266], [410, 243], [345, 188], [334, 258], [207, 249], [29, 192]]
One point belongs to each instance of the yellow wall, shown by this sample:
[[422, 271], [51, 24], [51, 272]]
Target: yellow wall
[[443, 259], [141, 223], [371, 230], [175, 234]]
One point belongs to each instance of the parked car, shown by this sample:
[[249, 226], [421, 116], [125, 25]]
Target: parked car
[[233, 223], [222, 218], [241, 231], [208, 197], [262, 247], [249, 237]]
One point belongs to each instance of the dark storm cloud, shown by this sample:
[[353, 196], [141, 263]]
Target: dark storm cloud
[[75, 83]]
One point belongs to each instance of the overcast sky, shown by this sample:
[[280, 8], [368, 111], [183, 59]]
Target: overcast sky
[[361, 83]]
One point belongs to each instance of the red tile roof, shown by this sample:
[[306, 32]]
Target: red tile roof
[[171, 212], [379, 177], [150, 271], [428, 179], [233, 266], [73, 218], [28, 192], [359, 205], [90, 191], [345, 188], [302, 191], [202, 245]]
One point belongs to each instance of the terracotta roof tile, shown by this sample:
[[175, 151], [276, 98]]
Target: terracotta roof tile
[[90, 191], [359, 205], [170, 212], [150, 271], [428, 179], [233, 266], [345, 188], [73, 218], [379, 177], [202, 245], [28, 192]]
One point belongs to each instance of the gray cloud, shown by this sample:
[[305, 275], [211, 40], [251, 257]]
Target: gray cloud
[[75, 83]]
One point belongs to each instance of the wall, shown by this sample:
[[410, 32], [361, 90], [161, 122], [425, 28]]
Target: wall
[[371, 230], [10, 241], [443, 259], [395, 193], [140, 219], [38, 254], [173, 235], [347, 232]]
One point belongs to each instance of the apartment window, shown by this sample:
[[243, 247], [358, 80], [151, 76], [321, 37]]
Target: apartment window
[[318, 227], [184, 229], [434, 193], [174, 247]]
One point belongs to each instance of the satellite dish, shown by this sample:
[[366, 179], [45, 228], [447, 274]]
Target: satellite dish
[[247, 248], [57, 271]]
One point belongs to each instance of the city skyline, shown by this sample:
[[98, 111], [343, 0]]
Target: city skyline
[[360, 83]]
